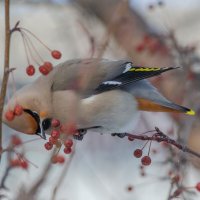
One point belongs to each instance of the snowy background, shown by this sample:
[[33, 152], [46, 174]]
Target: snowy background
[[102, 166]]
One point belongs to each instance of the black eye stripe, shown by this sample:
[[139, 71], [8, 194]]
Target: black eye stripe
[[46, 124]]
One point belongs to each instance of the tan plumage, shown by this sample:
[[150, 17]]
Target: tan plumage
[[92, 92]]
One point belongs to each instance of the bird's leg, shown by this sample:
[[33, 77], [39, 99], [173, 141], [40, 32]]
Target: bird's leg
[[81, 133], [120, 135]]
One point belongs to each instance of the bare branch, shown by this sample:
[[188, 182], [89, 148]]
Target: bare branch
[[6, 63], [62, 175], [5, 176], [159, 136]]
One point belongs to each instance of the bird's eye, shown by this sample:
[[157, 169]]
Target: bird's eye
[[46, 123]]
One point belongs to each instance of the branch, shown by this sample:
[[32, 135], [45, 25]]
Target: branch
[[159, 136], [6, 64], [62, 176], [5, 176]]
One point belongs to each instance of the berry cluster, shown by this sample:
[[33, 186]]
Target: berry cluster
[[10, 114], [32, 53], [151, 45], [19, 162], [15, 141], [181, 189], [145, 160], [58, 138], [69, 128]]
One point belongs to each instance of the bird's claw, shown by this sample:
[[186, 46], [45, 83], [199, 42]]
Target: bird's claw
[[120, 135]]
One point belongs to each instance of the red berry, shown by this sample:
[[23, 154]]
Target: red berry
[[60, 159], [9, 115], [137, 153], [70, 128], [24, 164], [18, 110], [48, 66], [15, 163], [129, 188], [198, 186], [147, 39], [154, 47], [30, 70], [146, 160], [56, 54], [68, 143], [55, 122], [130, 138], [139, 48], [15, 140], [53, 140], [67, 150], [48, 146], [55, 134], [43, 70]]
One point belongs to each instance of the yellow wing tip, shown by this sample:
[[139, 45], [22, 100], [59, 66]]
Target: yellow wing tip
[[190, 112]]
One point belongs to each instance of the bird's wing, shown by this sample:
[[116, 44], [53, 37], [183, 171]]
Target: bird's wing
[[91, 72], [100, 75], [130, 75]]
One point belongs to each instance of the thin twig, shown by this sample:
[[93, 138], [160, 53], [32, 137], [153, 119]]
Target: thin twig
[[5, 176], [6, 64], [62, 176], [33, 191]]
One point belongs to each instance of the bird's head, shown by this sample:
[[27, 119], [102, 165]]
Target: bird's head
[[32, 120]]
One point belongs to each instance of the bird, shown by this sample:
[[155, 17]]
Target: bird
[[100, 95]]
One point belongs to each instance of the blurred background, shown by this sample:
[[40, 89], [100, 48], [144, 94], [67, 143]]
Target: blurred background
[[150, 33]]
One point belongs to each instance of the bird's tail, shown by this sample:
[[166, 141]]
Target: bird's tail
[[147, 105]]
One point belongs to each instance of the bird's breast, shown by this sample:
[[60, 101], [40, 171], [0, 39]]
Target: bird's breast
[[115, 111]]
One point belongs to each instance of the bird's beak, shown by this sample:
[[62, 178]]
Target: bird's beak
[[41, 132]]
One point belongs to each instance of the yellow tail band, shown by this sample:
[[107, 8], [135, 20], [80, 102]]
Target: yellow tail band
[[190, 112]]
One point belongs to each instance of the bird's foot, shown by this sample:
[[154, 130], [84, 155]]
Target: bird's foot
[[120, 135], [80, 134]]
